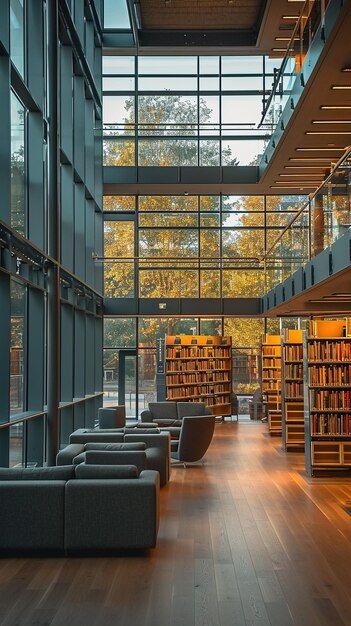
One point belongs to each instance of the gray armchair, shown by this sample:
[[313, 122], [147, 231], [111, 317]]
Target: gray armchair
[[195, 437], [112, 417]]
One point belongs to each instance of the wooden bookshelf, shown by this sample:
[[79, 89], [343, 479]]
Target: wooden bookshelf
[[271, 381], [199, 369], [327, 380], [293, 435]]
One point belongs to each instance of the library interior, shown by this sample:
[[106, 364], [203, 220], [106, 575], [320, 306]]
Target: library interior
[[175, 312]]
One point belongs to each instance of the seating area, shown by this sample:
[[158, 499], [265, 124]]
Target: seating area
[[172, 413], [82, 508]]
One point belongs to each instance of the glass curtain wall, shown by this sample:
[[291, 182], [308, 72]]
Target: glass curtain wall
[[191, 246], [50, 288], [191, 111]]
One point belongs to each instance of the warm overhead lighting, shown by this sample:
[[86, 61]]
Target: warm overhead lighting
[[290, 17], [291, 187], [299, 175], [331, 121], [341, 86], [327, 132], [295, 183], [341, 149], [305, 167], [336, 107], [286, 38], [314, 159], [282, 49], [346, 69]]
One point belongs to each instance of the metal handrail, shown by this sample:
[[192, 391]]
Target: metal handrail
[[312, 195], [296, 34]]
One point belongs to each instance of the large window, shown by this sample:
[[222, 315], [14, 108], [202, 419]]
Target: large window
[[18, 186], [197, 246], [184, 111], [17, 34]]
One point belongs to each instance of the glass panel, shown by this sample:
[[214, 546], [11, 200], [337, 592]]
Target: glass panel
[[16, 445], [147, 377], [209, 65], [118, 114], [172, 84], [242, 242], [242, 83], [18, 185], [168, 219], [209, 219], [167, 65], [208, 83], [161, 152], [285, 203], [209, 203], [161, 112], [209, 284], [168, 243], [244, 152], [209, 113], [119, 276], [242, 65], [110, 385], [209, 152], [245, 332], [240, 283], [119, 152], [150, 328], [168, 284], [243, 203], [241, 109], [17, 34], [119, 203], [168, 203], [116, 14], [118, 65], [211, 326], [17, 344], [118, 84], [119, 333], [209, 243], [130, 395], [243, 219]]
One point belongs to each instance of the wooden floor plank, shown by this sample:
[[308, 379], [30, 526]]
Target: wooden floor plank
[[247, 538]]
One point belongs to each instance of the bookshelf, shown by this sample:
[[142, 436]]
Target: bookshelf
[[271, 381], [198, 368], [327, 381], [292, 391]]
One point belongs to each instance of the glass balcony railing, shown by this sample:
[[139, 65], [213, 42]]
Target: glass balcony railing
[[323, 219], [311, 17]]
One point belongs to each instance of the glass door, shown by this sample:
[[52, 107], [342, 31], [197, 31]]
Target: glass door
[[127, 382]]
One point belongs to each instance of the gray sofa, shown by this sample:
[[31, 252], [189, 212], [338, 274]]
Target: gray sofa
[[171, 413], [75, 509], [157, 447]]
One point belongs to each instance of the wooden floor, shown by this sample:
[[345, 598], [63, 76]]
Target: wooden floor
[[245, 539]]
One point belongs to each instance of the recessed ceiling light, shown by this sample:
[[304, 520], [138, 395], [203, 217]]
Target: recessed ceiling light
[[291, 187], [282, 49], [327, 132], [305, 167], [331, 121], [307, 175], [314, 159], [286, 38], [290, 17], [341, 149], [336, 107], [341, 86], [346, 69]]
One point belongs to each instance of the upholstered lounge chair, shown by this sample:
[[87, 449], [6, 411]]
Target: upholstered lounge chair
[[195, 437]]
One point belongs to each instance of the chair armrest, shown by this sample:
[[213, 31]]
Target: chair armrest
[[146, 416], [208, 411], [66, 456]]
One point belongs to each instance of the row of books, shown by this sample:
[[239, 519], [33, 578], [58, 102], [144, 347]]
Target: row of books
[[271, 373], [293, 370], [179, 379], [271, 384], [331, 424], [329, 374], [328, 350], [179, 352], [323, 399], [196, 390], [294, 389], [205, 365], [218, 400], [271, 351], [293, 353], [271, 363]]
